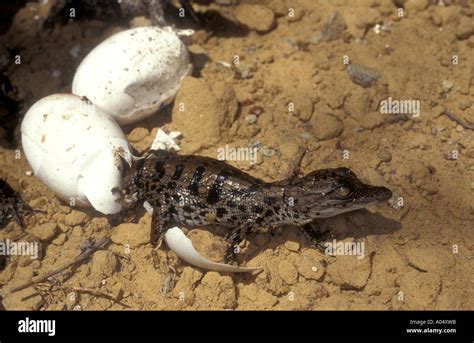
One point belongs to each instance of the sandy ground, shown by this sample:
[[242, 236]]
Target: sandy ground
[[417, 256]]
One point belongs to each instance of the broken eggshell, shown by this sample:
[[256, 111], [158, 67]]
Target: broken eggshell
[[182, 246], [133, 73], [76, 150]]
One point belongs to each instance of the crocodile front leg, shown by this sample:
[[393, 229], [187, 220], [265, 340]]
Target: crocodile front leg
[[317, 236], [160, 222]]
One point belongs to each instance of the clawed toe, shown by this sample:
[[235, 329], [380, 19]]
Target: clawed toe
[[230, 256]]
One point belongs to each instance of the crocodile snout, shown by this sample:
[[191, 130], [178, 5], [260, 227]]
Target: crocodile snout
[[382, 193]]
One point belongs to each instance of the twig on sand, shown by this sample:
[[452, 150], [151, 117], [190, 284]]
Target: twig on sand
[[98, 293], [79, 259], [458, 120]]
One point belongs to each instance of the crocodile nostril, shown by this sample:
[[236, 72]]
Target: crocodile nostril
[[383, 193]]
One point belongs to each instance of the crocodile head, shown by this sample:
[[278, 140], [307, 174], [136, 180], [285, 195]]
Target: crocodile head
[[328, 192]]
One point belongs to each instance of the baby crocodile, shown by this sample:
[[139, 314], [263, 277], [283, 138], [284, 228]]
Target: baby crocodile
[[195, 191], [12, 205]]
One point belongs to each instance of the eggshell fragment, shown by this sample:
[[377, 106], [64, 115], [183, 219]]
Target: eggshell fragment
[[166, 141], [183, 247], [76, 149], [133, 73]]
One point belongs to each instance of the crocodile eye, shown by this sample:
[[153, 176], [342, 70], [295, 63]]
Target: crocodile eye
[[343, 191]]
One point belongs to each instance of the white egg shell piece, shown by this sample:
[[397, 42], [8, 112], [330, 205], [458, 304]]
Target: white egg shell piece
[[75, 149], [184, 248], [134, 73]]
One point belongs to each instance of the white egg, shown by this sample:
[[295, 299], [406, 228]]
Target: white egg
[[134, 73], [75, 149]]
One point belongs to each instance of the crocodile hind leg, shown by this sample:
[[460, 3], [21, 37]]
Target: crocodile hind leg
[[12, 206], [233, 239], [21, 211], [3, 215]]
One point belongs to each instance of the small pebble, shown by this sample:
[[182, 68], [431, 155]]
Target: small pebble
[[244, 71], [305, 135], [75, 50], [257, 110], [384, 155], [393, 201], [362, 75], [292, 246], [333, 29], [268, 152], [449, 156], [251, 118], [447, 85]]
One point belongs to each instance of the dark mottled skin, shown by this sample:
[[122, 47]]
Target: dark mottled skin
[[12, 205], [113, 10], [196, 191]]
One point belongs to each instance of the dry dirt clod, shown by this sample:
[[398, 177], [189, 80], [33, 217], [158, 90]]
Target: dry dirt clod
[[104, 264], [288, 272], [76, 218], [45, 232], [203, 113], [132, 235], [256, 17], [349, 272], [326, 126], [411, 284], [216, 291]]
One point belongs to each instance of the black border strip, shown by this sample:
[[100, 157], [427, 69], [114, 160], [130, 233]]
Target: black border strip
[[242, 323]]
